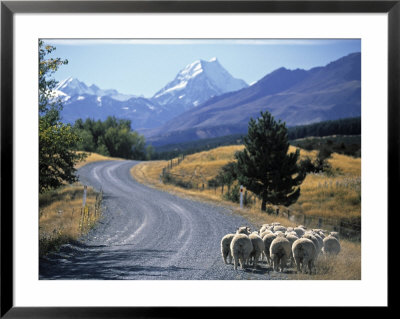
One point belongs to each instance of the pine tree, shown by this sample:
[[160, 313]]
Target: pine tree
[[265, 167]]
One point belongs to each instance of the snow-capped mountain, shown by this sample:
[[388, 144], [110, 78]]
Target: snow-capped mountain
[[71, 87], [197, 83], [82, 101], [193, 85], [297, 97]]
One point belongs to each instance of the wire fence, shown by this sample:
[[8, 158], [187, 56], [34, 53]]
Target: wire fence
[[349, 228]]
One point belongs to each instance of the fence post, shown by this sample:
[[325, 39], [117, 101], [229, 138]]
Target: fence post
[[319, 222], [88, 218], [80, 222], [84, 196]]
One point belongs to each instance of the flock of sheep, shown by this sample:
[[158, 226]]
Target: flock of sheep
[[279, 245]]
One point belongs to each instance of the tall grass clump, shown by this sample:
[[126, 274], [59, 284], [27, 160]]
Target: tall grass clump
[[62, 219]]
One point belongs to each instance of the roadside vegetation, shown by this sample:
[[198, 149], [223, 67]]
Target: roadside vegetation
[[334, 196], [62, 217], [112, 137]]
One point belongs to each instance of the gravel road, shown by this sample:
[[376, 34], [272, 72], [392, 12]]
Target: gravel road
[[148, 234]]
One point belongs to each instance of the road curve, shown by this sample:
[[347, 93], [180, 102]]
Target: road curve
[[148, 234]]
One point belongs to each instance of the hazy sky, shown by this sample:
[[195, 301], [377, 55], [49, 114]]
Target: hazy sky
[[142, 67]]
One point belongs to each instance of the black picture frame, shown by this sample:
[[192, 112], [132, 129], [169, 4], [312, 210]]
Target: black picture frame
[[9, 8]]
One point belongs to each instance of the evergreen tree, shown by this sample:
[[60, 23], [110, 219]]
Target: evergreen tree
[[56, 140], [265, 167]]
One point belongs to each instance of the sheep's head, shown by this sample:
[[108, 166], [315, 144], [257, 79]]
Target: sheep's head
[[335, 234], [243, 230]]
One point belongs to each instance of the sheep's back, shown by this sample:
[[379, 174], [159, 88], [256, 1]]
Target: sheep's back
[[257, 242], [241, 243], [226, 240], [280, 245], [331, 245], [304, 247]]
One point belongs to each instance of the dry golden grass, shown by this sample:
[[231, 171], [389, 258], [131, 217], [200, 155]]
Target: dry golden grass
[[329, 196], [93, 157], [62, 218], [336, 196], [149, 173], [345, 266]]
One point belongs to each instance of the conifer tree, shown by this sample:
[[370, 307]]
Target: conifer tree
[[265, 167]]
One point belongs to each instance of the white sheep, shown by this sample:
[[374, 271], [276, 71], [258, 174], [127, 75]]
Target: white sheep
[[243, 230], [265, 232], [319, 232], [279, 233], [291, 237], [299, 231], [226, 247], [331, 245], [267, 239], [335, 234], [279, 252], [315, 241], [320, 241], [292, 233], [258, 248], [279, 228], [241, 248], [264, 227], [304, 254]]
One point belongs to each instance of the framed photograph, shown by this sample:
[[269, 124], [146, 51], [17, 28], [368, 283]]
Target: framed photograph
[[157, 121]]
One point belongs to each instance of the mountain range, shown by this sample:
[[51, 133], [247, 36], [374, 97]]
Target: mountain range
[[205, 101], [192, 86], [296, 97]]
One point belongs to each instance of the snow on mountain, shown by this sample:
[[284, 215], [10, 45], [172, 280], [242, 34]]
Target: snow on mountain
[[71, 87], [296, 97], [196, 83]]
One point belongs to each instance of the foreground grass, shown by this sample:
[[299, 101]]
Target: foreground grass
[[345, 266], [62, 219]]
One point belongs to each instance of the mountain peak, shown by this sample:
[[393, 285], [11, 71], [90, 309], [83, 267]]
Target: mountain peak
[[197, 82], [73, 87]]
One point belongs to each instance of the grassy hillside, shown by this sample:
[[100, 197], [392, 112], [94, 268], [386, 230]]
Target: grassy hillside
[[336, 197]]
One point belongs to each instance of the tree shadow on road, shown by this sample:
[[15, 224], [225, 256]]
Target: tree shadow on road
[[79, 261]]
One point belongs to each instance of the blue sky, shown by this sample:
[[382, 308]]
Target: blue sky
[[142, 67]]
